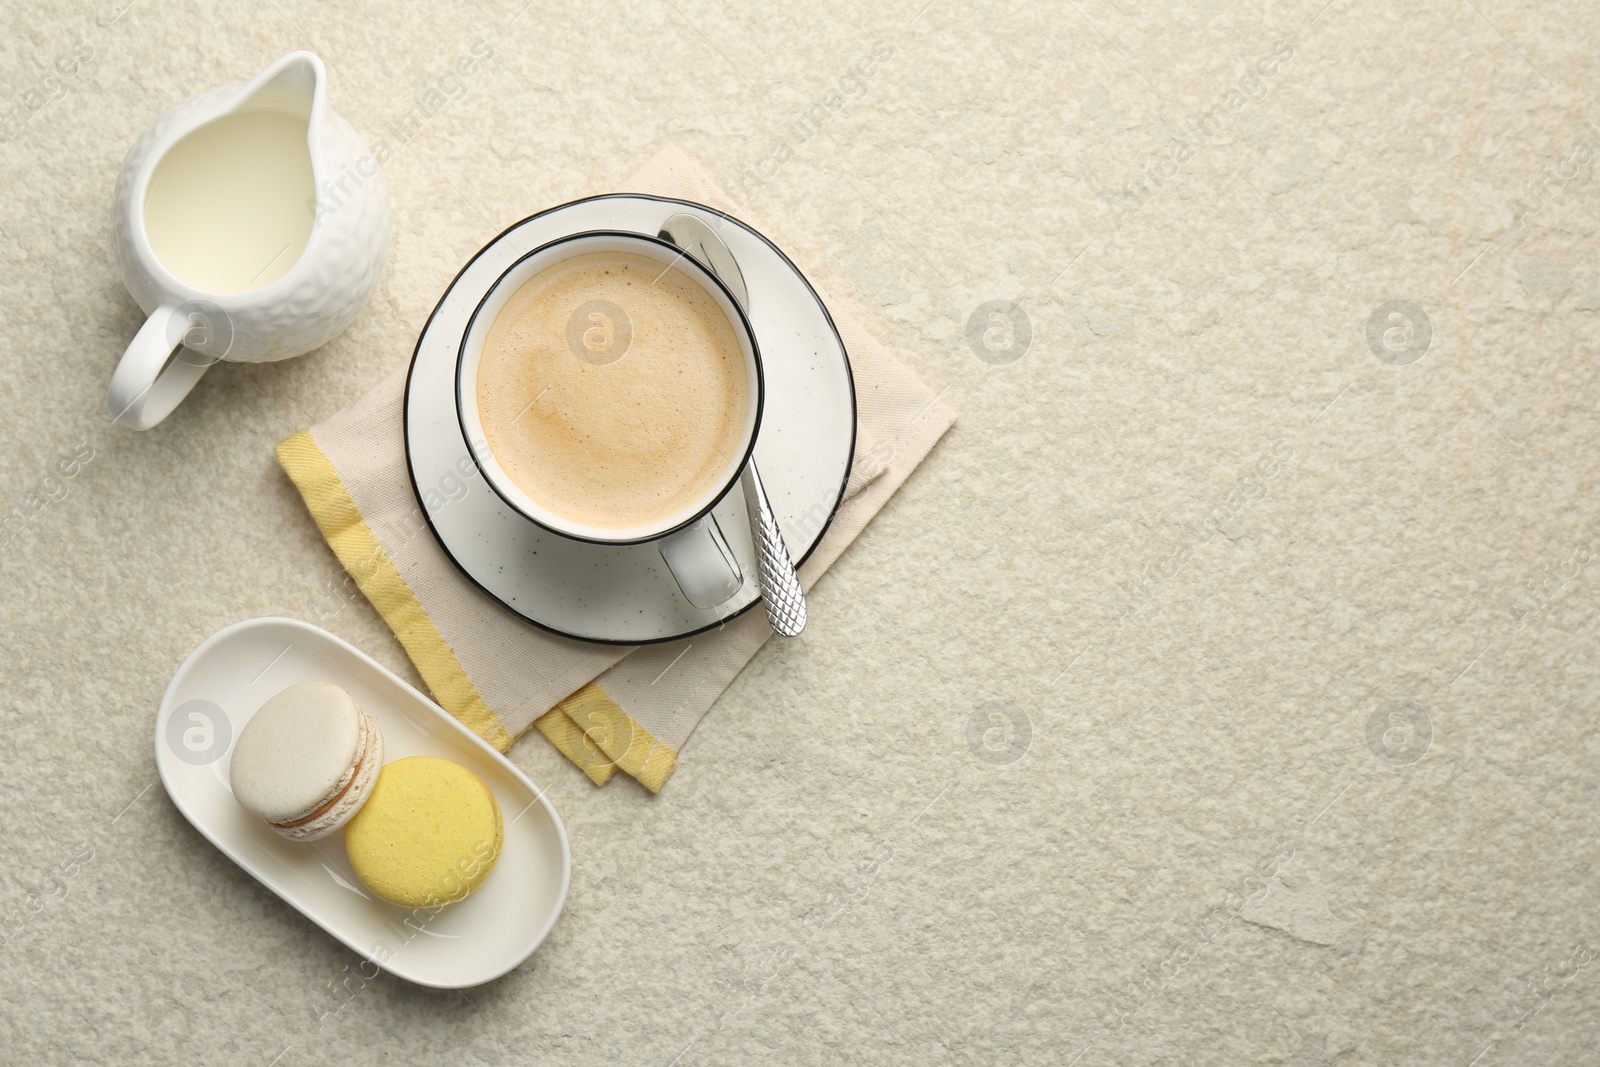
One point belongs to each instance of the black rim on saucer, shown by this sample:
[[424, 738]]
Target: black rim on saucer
[[744, 323], [416, 352]]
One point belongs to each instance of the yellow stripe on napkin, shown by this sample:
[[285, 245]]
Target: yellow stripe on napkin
[[358, 549], [618, 735], [571, 741], [588, 727]]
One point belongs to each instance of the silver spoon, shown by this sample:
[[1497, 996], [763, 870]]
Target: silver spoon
[[780, 585]]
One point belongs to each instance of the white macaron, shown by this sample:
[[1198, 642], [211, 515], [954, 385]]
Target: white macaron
[[306, 761]]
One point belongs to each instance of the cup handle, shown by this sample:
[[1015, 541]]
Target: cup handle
[[705, 567], [153, 377]]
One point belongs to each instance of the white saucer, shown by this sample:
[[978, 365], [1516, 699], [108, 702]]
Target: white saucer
[[625, 595], [211, 698]]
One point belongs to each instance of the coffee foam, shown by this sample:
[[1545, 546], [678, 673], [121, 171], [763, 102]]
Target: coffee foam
[[616, 444]]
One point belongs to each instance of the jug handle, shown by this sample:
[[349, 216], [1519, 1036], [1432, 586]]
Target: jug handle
[[153, 376]]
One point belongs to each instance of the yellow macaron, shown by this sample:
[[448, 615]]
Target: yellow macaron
[[429, 834]]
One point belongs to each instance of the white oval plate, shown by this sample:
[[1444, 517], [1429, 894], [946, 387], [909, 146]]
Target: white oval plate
[[624, 594], [222, 684]]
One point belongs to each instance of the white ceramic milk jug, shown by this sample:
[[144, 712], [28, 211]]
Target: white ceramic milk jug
[[251, 225]]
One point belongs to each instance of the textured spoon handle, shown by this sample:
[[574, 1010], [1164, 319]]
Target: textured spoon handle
[[780, 585]]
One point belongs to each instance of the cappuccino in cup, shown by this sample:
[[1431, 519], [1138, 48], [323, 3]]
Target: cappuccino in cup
[[614, 391]]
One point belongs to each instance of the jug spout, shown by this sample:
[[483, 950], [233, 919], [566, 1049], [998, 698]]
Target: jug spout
[[293, 85]]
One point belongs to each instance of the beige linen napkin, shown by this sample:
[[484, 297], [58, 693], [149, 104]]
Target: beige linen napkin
[[603, 706]]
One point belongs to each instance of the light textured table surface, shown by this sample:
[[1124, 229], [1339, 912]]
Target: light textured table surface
[[1222, 690]]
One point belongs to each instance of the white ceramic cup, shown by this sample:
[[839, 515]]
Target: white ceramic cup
[[691, 544]]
